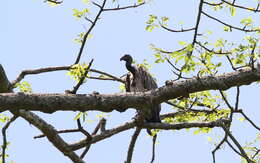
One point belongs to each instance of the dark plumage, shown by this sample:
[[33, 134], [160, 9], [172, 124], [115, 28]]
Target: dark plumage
[[140, 80]]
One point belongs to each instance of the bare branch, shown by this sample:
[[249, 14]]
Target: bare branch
[[59, 132], [163, 126], [58, 68], [54, 1], [237, 98], [248, 119], [175, 30], [243, 153], [197, 22], [132, 144], [107, 74], [50, 103], [89, 30], [213, 4], [233, 148], [212, 51], [51, 134], [218, 147], [37, 71], [242, 7], [103, 135], [226, 101], [43, 126], [122, 8], [230, 26], [89, 137]]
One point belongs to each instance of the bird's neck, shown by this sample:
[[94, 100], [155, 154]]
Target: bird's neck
[[130, 68]]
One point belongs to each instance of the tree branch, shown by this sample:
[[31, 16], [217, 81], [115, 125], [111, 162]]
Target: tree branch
[[163, 126], [37, 71], [125, 7], [4, 136], [51, 134], [132, 145], [50, 103], [197, 22], [230, 26], [75, 89], [243, 153], [89, 30]]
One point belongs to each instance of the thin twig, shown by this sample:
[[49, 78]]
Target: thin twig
[[89, 137], [230, 26], [37, 71], [242, 7], [85, 152], [237, 98], [233, 148], [197, 23], [75, 88], [242, 151], [59, 132], [213, 4], [212, 51], [4, 136], [153, 152], [226, 101], [256, 153], [54, 1], [89, 30], [248, 119], [218, 147], [107, 74], [175, 30], [125, 7]]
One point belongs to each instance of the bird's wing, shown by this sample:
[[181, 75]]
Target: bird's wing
[[147, 80]]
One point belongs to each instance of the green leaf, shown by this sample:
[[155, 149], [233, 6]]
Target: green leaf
[[209, 139], [24, 87], [79, 14], [196, 132], [85, 1], [232, 10], [247, 21], [140, 1], [227, 29], [241, 119], [78, 116], [182, 43]]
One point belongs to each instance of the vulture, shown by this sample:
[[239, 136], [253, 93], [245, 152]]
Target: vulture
[[138, 80]]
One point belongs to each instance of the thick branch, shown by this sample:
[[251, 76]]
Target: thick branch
[[51, 134], [46, 128], [119, 101]]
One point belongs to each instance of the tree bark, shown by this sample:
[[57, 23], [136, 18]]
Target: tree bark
[[50, 103]]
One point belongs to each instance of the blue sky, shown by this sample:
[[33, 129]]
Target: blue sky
[[35, 35]]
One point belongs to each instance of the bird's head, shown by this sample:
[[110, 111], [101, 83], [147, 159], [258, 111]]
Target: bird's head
[[127, 58]]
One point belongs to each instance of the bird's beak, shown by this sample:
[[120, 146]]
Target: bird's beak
[[122, 58]]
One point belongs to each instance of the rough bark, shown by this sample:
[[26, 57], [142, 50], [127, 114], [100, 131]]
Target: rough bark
[[50, 103]]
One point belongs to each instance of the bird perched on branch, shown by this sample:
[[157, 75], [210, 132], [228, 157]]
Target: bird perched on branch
[[140, 80]]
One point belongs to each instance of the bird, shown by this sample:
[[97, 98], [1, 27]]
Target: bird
[[140, 80]]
